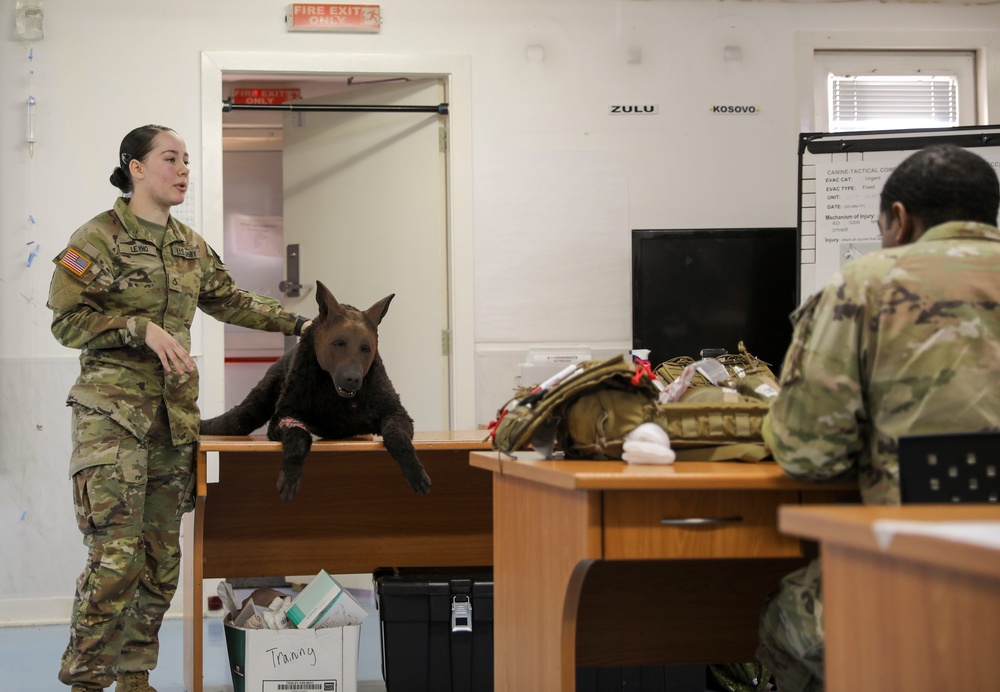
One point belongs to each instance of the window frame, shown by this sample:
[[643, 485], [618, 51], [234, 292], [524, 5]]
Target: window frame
[[958, 63]]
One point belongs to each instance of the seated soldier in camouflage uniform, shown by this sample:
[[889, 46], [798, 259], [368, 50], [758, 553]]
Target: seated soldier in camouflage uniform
[[125, 292], [899, 342]]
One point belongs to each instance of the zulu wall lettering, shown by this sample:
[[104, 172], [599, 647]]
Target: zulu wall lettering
[[634, 110]]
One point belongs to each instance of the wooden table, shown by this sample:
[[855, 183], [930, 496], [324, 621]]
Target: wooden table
[[921, 614], [606, 563], [353, 513]]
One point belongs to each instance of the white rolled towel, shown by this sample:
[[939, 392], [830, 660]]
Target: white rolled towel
[[648, 444]]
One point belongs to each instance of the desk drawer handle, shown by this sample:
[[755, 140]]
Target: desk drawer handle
[[701, 521]]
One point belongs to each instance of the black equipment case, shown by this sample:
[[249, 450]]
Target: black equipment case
[[437, 636], [437, 628]]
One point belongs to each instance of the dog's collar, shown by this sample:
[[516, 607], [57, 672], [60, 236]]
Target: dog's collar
[[289, 422]]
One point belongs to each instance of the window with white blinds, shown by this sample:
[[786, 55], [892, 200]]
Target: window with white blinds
[[876, 102], [894, 90]]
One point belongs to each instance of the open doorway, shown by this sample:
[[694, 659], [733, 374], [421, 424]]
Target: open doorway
[[253, 236], [358, 198], [257, 141]]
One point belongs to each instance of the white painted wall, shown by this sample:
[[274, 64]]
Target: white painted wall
[[104, 67]]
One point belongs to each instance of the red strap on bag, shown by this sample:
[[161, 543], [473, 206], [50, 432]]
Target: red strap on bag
[[642, 368]]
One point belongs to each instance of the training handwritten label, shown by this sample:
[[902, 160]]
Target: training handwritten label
[[279, 658]]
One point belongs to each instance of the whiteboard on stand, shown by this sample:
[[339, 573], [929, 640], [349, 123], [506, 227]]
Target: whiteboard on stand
[[840, 178]]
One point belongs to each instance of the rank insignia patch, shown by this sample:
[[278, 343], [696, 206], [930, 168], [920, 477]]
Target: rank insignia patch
[[75, 262]]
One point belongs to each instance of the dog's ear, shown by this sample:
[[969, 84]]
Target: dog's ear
[[377, 311], [328, 305]]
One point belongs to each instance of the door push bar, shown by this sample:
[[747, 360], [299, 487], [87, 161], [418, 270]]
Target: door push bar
[[228, 106]]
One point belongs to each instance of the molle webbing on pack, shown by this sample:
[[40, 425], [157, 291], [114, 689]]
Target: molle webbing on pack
[[517, 421], [590, 414], [596, 424], [738, 365]]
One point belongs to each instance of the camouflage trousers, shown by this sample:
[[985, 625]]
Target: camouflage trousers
[[791, 632], [129, 496]]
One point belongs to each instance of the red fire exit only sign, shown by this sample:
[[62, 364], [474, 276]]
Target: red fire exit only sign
[[265, 96], [314, 17]]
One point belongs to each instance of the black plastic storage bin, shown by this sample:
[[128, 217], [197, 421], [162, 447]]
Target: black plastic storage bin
[[437, 628]]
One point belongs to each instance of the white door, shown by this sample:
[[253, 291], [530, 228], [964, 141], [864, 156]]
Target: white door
[[365, 201]]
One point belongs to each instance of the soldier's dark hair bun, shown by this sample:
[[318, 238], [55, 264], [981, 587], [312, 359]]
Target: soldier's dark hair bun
[[121, 180]]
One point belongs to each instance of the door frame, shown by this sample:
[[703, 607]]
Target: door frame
[[455, 71]]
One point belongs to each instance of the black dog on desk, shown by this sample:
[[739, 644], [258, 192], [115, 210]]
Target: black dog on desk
[[331, 384]]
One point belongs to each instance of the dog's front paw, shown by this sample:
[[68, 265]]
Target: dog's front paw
[[289, 479], [419, 482]]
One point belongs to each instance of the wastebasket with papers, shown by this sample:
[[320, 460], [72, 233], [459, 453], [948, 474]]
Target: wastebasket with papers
[[309, 642]]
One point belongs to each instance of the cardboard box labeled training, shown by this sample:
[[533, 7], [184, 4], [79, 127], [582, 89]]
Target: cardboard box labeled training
[[323, 660], [321, 655]]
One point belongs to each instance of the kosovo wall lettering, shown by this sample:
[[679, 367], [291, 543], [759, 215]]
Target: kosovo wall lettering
[[741, 110]]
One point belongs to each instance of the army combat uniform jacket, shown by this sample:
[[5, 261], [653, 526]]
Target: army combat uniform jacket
[[905, 341], [113, 280]]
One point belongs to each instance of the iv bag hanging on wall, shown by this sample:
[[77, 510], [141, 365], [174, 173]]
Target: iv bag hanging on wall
[[28, 20]]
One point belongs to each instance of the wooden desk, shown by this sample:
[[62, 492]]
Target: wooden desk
[[922, 614], [586, 574], [353, 513]]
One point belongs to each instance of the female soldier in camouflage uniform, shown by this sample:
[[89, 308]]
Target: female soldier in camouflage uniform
[[125, 291], [901, 341]]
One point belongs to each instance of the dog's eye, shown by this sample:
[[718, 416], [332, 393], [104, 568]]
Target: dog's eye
[[366, 349], [339, 343]]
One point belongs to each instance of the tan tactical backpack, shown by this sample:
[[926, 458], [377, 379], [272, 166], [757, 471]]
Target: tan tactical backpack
[[587, 415]]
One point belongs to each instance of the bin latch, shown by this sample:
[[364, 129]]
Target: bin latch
[[461, 614]]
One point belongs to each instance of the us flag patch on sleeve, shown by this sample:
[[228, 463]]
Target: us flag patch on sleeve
[[75, 262]]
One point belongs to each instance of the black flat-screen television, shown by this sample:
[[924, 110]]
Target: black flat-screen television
[[708, 288]]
